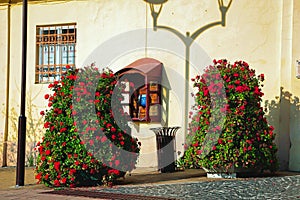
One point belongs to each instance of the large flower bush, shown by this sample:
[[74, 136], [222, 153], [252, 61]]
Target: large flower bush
[[83, 143], [228, 129]]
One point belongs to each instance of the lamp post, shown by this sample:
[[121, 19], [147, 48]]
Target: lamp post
[[22, 117], [187, 39]]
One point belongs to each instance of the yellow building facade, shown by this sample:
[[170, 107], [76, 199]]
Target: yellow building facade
[[262, 33]]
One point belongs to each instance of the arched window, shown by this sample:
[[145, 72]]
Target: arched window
[[142, 92]]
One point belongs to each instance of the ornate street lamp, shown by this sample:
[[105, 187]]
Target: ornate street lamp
[[187, 39]]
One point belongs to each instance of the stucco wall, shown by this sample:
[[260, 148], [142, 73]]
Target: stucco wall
[[3, 66], [259, 32], [294, 158]]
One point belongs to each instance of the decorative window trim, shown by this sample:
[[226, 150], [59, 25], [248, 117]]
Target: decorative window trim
[[55, 49]]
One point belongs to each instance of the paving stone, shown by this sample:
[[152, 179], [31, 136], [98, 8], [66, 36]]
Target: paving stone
[[253, 188]]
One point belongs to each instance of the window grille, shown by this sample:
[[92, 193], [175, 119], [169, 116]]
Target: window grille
[[55, 49]]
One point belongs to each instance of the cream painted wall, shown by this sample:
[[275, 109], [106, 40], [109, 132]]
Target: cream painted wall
[[256, 31], [3, 69], [3, 55], [294, 158]]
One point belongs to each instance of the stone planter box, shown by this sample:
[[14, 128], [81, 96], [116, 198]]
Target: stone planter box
[[232, 172]]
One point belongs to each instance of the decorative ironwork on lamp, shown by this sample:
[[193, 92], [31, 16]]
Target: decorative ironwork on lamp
[[154, 13]]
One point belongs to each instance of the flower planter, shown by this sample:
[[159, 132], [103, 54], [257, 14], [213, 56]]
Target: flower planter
[[232, 172], [228, 124]]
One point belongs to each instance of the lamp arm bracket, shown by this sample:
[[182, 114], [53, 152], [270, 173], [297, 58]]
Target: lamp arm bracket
[[177, 33], [204, 28]]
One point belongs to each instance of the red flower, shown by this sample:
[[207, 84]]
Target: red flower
[[230, 86], [91, 142], [56, 165], [63, 130], [206, 92], [235, 74], [245, 64], [257, 91], [38, 176], [103, 139], [249, 141], [196, 144], [199, 152], [46, 177], [214, 148], [239, 89], [237, 82], [117, 162], [42, 113], [48, 152], [41, 148], [64, 180], [242, 107], [46, 125], [84, 166], [46, 96], [262, 77], [56, 183], [50, 85]]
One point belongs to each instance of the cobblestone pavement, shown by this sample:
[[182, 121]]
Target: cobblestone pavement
[[188, 184], [287, 187]]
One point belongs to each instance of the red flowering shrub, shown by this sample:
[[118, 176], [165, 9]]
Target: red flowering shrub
[[83, 143], [228, 127]]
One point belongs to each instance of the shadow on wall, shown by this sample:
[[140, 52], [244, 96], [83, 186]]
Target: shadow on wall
[[283, 113], [34, 131]]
